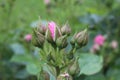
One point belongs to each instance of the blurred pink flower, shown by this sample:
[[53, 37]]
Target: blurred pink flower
[[52, 27], [99, 39], [46, 2], [114, 44], [28, 37], [65, 75], [95, 48]]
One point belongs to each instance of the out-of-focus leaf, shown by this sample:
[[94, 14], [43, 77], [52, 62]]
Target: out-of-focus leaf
[[90, 64], [33, 68], [17, 48], [22, 74], [117, 63], [5, 51], [113, 74], [98, 76], [22, 58]]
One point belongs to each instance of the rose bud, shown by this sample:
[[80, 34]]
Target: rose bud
[[47, 2], [28, 37], [64, 76], [42, 29], [99, 39], [38, 39], [52, 29], [66, 30], [53, 32], [82, 38], [114, 44], [95, 48], [74, 68], [62, 41]]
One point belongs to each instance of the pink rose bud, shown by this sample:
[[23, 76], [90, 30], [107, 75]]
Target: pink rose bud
[[42, 28], [114, 44], [28, 37], [38, 39], [99, 39], [52, 29], [47, 2], [95, 48], [65, 74]]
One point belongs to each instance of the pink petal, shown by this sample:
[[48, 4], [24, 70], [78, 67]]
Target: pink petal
[[114, 44], [52, 27], [28, 37], [99, 39], [46, 1]]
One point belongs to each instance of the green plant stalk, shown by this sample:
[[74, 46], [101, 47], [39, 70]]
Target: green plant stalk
[[57, 67]]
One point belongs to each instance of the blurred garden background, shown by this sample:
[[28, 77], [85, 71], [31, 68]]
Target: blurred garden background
[[19, 17]]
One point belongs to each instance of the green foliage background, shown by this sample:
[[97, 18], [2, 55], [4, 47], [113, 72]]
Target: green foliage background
[[16, 17]]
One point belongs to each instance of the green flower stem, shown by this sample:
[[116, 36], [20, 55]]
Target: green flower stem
[[57, 61], [57, 70]]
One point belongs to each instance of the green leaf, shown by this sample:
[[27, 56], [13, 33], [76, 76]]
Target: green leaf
[[22, 58], [98, 76], [33, 65], [33, 69], [113, 74], [17, 48], [22, 74], [90, 64]]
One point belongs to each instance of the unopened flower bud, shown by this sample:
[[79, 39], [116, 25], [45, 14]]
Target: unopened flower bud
[[53, 32], [82, 38], [52, 28], [42, 29], [114, 44], [47, 2], [66, 30], [28, 37], [95, 48], [38, 39], [64, 76], [74, 68], [99, 39], [62, 41]]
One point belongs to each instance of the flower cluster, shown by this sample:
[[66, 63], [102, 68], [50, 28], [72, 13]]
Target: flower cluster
[[58, 36], [53, 40], [100, 42]]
